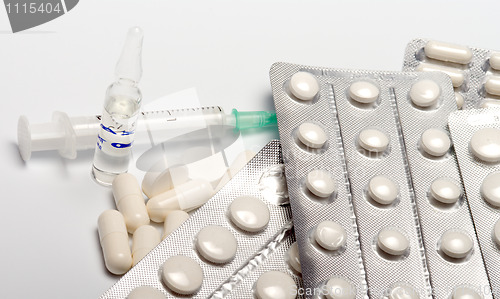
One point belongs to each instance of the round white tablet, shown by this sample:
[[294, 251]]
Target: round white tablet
[[435, 142], [382, 190], [320, 183], [364, 92], [275, 285], [330, 235], [311, 135], [496, 233], [216, 243], [304, 86], [339, 288], [392, 241], [293, 257], [425, 93], [445, 191], [182, 275], [459, 98], [490, 189], [146, 292], [249, 213], [373, 140], [485, 144], [465, 292], [402, 291], [456, 244]]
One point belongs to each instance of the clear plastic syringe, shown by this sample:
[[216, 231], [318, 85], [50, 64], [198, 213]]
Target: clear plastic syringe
[[68, 135]]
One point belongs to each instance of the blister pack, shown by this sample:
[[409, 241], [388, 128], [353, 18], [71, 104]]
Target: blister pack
[[476, 139], [474, 72], [450, 242], [235, 238]]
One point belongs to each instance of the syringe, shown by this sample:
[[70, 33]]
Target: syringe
[[68, 135]]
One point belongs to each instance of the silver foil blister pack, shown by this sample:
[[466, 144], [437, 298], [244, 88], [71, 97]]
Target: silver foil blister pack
[[262, 179], [476, 139], [441, 203], [475, 72]]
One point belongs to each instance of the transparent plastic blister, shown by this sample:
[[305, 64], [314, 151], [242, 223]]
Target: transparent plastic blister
[[475, 72], [205, 255], [441, 202], [476, 139]]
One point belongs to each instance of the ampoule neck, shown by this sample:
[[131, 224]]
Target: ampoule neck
[[125, 81]]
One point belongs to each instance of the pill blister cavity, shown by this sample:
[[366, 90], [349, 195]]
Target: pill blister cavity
[[492, 85], [490, 189], [272, 185], [330, 235], [312, 135], [292, 257], [249, 213], [382, 191], [303, 86], [143, 292], [425, 93], [459, 98], [364, 93], [182, 275], [455, 244], [444, 193], [465, 292], [435, 142], [495, 61], [373, 142], [340, 288], [392, 242], [321, 184], [216, 244], [496, 233], [275, 285], [485, 145], [401, 290], [457, 76], [448, 52]]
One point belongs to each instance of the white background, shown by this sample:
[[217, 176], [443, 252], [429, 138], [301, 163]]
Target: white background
[[49, 206]]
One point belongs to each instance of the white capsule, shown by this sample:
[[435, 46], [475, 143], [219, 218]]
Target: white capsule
[[492, 85], [445, 191], [435, 142], [145, 238], [495, 61], [275, 285], [490, 103], [465, 292], [216, 243], [364, 92], [485, 144], [457, 76], [330, 235], [460, 100], [402, 291], [321, 183], [293, 257], [249, 213], [304, 86], [155, 183], [173, 220], [496, 233], [146, 292], [114, 242], [182, 275], [425, 93], [490, 189], [373, 140], [311, 135], [241, 160], [186, 197], [339, 288], [382, 190], [448, 52], [456, 244], [129, 201], [392, 242]]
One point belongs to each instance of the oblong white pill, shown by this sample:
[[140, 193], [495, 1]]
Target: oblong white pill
[[173, 220], [321, 183], [485, 144], [312, 135], [490, 189], [249, 213], [182, 275], [340, 288], [129, 201], [145, 238], [402, 291], [435, 142], [293, 257], [448, 52], [373, 140], [392, 241], [425, 93], [490, 103], [496, 233], [382, 190], [304, 86], [146, 292], [465, 292], [445, 191], [457, 76], [495, 61], [330, 235], [155, 183], [492, 85], [456, 244], [275, 285], [114, 242], [216, 244], [364, 92], [460, 100]]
